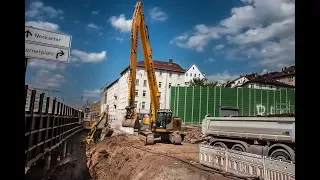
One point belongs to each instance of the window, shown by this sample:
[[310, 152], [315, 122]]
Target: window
[[178, 84], [169, 85], [195, 75], [144, 82], [135, 104], [143, 105], [192, 67], [160, 73], [170, 74], [137, 82], [186, 83], [144, 93], [199, 75], [290, 79], [178, 76], [186, 74], [190, 74], [160, 84], [137, 93]]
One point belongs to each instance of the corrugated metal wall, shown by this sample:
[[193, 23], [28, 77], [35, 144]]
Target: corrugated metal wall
[[191, 104]]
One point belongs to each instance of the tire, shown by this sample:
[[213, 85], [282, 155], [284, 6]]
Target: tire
[[281, 154], [238, 147], [220, 145]]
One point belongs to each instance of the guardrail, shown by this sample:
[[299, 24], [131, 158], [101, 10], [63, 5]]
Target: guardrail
[[245, 164], [48, 123]]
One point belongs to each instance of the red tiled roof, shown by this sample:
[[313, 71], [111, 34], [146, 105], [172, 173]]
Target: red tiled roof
[[162, 65]]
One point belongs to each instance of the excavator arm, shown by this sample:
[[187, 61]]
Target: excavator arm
[[139, 26], [106, 131]]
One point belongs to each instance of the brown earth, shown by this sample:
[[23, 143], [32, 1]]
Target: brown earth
[[125, 157]]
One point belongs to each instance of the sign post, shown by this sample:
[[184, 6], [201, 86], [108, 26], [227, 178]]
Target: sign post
[[46, 45]]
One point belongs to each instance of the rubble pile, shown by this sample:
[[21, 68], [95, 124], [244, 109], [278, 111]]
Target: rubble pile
[[193, 135]]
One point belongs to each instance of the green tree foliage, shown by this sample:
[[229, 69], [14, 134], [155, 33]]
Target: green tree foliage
[[202, 82]]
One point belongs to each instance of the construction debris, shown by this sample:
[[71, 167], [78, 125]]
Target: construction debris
[[123, 157]]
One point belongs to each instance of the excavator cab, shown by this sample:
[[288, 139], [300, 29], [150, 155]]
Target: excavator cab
[[165, 121]]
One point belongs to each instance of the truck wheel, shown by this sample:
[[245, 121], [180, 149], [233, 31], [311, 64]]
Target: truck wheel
[[238, 147], [281, 154], [220, 145]]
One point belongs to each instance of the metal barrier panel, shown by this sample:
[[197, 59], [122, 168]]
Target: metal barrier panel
[[245, 164]]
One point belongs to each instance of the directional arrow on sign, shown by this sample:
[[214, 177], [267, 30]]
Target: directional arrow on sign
[[61, 53], [28, 33]]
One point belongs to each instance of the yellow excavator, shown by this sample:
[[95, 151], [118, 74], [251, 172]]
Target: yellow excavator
[[161, 123], [99, 133]]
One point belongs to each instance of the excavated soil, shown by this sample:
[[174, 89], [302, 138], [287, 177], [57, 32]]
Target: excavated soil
[[125, 157]]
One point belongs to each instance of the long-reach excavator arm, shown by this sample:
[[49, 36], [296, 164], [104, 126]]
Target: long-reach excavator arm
[[139, 26], [162, 122]]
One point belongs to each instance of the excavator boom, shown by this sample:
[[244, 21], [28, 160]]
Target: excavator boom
[[139, 27], [162, 123]]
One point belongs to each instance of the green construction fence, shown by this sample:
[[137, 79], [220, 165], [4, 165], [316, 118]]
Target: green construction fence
[[191, 104]]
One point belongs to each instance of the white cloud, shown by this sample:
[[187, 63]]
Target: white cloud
[[37, 10], [95, 12], [119, 38], [121, 23], [200, 37], [47, 65], [47, 79], [262, 31], [157, 14], [210, 60], [218, 47], [256, 35], [222, 77], [81, 56], [93, 26], [91, 93], [43, 25]]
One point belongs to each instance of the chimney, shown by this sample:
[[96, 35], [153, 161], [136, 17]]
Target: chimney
[[170, 60]]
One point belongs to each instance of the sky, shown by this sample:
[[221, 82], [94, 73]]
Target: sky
[[224, 38]]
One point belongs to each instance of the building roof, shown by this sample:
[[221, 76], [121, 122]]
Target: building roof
[[286, 71], [265, 80], [161, 65], [109, 85]]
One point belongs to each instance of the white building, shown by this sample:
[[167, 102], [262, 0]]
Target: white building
[[168, 74], [193, 72]]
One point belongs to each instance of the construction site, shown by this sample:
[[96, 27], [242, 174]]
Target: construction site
[[164, 129]]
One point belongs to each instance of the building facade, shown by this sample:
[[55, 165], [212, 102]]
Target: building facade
[[286, 76], [193, 72], [167, 73]]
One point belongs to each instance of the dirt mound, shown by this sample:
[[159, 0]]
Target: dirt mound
[[124, 157]]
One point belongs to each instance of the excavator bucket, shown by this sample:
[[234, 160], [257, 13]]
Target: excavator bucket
[[130, 118]]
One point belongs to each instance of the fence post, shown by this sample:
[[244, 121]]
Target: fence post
[[41, 103], [265, 175], [227, 160]]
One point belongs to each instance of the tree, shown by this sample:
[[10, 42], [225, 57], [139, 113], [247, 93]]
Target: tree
[[202, 82]]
